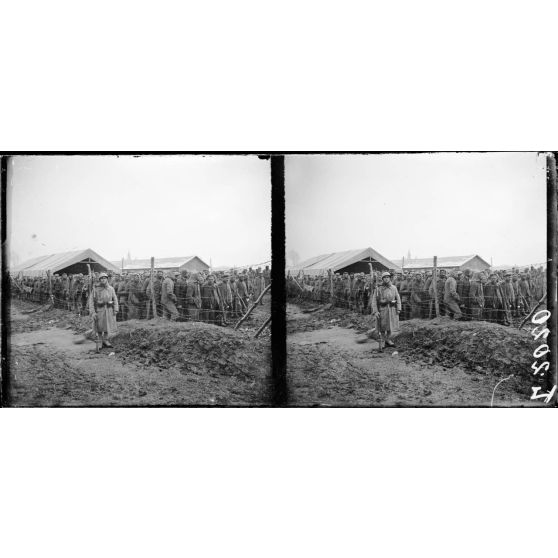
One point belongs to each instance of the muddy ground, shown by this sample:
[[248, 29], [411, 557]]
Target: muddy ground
[[154, 362], [435, 363]]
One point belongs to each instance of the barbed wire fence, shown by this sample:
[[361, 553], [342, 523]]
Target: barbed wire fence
[[214, 309], [419, 302]]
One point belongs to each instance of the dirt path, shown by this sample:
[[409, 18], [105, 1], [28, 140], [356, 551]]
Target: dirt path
[[48, 368], [326, 366]]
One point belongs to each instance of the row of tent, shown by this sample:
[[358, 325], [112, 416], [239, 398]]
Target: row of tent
[[78, 261], [351, 261], [359, 261]]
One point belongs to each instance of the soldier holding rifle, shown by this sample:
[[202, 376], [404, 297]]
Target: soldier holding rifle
[[386, 306], [103, 307]]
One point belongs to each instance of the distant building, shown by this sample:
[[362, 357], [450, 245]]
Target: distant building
[[474, 263], [188, 263], [64, 262], [350, 261]]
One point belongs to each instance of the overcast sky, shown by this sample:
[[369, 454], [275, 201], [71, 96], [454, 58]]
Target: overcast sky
[[216, 207], [441, 204]]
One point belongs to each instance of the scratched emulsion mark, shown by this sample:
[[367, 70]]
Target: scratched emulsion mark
[[540, 319]]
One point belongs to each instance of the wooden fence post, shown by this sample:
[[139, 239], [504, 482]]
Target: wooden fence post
[[266, 323], [50, 287], [152, 289], [249, 311], [435, 286]]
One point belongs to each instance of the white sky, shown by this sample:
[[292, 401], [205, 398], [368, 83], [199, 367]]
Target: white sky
[[444, 204], [216, 207]]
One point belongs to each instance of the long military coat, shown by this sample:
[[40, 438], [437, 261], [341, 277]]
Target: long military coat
[[389, 318], [106, 318]]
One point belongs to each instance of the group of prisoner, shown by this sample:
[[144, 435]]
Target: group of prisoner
[[495, 296], [180, 296]]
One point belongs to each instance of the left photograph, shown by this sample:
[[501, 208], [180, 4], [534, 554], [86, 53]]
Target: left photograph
[[137, 280]]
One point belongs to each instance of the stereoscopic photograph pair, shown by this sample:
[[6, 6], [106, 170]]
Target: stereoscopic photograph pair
[[271, 279]]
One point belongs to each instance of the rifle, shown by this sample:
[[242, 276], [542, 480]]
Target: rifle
[[92, 300]]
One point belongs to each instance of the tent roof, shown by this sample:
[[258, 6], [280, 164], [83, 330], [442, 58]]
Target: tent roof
[[55, 262], [161, 262], [339, 260], [446, 261]]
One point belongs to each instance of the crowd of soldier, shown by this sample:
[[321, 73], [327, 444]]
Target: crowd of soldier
[[495, 296], [183, 296]]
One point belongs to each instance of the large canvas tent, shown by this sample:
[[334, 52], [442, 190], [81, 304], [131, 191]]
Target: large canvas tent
[[350, 261], [64, 262]]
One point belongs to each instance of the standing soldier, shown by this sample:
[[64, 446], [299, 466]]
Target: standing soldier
[[517, 301], [134, 297], [476, 296], [103, 306], [180, 290], [242, 292], [226, 297], [236, 307], [193, 298], [405, 294], [65, 290], [338, 290], [77, 293], [322, 286], [346, 289], [168, 298], [358, 292], [57, 291], [386, 306], [428, 297], [260, 282], [539, 283], [451, 298], [36, 285], [508, 297], [210, 300], [248, 280], [463, 287], [256, 284], [157, 282], [123, 293], [524, 293], [416, 298], [493, 301], [441, 286]]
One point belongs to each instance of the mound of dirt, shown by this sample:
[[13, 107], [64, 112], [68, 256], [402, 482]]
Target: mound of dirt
[[154, 362], [479, 346], [233, 360]]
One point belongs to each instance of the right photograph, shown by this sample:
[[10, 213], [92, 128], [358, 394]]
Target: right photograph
[[417, 280]]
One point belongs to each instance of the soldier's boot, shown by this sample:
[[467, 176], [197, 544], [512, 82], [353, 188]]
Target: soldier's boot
[[106, 342]]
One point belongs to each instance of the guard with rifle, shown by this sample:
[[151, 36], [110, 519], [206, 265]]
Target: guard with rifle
[[103, 307], [386, 306]]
